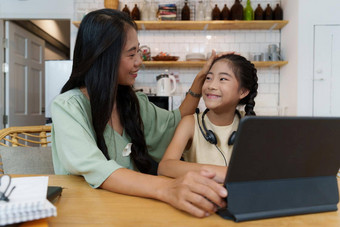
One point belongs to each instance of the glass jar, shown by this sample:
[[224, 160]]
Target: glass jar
[[153, 10], [207, 11], [199, 11], [145, 12]]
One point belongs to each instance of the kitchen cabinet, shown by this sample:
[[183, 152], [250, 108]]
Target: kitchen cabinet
[[208, 25]]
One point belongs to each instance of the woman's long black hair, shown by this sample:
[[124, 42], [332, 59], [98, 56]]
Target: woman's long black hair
[[100, 40], [246, 74]]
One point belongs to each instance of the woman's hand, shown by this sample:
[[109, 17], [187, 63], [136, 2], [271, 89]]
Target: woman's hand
[[208, 63], [196, 193]]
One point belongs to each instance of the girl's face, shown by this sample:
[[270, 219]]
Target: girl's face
[[130, 60], [221, 89]]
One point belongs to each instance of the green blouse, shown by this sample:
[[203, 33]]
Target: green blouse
[[74, 147]]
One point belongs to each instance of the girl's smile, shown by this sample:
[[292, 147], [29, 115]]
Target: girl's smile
[[212, 96]]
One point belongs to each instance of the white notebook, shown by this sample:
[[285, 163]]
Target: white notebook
[[27, 201]]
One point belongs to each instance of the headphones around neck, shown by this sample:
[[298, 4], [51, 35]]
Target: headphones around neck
[[209, 135]]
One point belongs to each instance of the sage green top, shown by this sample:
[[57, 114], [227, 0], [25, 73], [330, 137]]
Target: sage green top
[[74, 147]]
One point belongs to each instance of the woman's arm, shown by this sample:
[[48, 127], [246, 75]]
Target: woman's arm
[[172, 166], [194, 192]]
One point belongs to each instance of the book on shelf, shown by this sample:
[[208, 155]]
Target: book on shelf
[[27, 201]]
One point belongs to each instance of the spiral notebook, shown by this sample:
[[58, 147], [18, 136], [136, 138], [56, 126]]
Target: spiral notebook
[[27, 201]]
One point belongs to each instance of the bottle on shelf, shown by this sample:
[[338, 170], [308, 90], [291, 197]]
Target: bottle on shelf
[[215, 14], [278, 13], [236, 11], [258, 14], [153, 11], [199, 11], [145, 12], [126, 10], [225, 13], [268, 13], [248, 13], [135, 14], [186, 11], [208, 11]]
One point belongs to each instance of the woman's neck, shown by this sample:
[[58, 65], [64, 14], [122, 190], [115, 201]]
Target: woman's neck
[[84, 91], [223, 118]]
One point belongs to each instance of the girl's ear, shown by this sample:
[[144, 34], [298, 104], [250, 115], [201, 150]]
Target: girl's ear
[[243, 93]]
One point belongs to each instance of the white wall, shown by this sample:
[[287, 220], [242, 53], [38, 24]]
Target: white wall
[[36, 9], [296, 82], [289, 47]]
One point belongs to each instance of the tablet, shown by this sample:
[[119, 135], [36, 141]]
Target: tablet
[[283, 166]]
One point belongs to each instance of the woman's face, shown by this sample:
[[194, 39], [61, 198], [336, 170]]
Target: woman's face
[[221, 89], [130, 60]]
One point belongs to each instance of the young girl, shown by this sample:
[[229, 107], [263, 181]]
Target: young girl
[[208, 137], [113, 136]]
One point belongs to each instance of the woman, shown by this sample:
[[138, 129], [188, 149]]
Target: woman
[[107, 133]]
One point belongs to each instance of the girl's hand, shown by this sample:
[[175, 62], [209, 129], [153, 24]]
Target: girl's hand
[[221, 172], [196, 193]]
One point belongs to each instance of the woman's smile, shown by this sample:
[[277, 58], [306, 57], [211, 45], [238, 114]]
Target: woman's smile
[[134, 74]]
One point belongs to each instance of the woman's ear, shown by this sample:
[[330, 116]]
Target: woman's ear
[[243, 93]]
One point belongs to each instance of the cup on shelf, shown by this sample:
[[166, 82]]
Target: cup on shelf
[[274, 56], [264, 56], [274, 51], [256, 56], [273, 48]]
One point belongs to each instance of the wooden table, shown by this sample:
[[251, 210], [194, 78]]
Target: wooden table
[[81, 205]]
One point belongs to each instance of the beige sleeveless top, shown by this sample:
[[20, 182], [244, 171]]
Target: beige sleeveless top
[[201, 151]]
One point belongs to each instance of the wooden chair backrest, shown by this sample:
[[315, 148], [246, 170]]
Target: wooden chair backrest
[[25, 136]]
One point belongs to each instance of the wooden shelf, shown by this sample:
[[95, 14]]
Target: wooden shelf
[[258, 64], [209, 25]]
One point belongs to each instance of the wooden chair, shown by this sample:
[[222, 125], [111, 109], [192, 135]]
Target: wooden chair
[[25, 136]]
